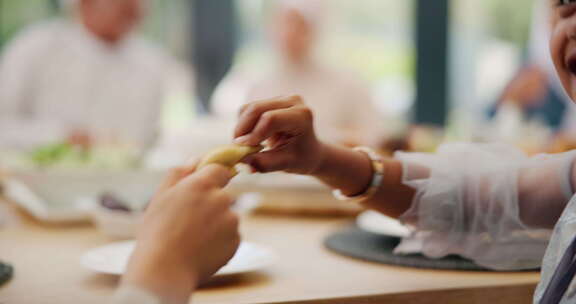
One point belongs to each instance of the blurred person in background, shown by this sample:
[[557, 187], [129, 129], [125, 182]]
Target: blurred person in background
[[342, 101], [82, 79], [536, 91]]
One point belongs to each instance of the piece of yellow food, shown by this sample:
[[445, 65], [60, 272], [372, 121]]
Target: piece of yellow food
[[228, 156]]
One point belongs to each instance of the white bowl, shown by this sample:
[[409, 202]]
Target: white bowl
[[57, 195]]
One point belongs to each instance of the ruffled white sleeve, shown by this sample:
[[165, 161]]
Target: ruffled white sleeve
[[487, 202]]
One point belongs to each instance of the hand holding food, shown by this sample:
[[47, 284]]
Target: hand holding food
[[229, 156], [188, 233], [286, 125]]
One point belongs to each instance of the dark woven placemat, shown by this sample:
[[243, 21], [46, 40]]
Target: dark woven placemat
[[354, 242], [6, 273]]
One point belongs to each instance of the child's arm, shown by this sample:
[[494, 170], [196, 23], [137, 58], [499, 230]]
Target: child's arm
[[287, 125], [351, 172], [487, 203]]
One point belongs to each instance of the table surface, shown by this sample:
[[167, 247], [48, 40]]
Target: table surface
[[47, 270]]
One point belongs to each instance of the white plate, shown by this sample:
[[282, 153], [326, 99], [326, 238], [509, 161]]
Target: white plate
[[378, 223], [113, 258]]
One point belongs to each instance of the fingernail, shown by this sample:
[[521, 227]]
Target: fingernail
[[253, 170], [242, 140]]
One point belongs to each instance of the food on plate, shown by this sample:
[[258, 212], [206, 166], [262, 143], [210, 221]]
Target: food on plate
[[111, 202], [229, 155]]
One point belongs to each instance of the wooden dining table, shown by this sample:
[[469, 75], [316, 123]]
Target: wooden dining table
[[47, 270]]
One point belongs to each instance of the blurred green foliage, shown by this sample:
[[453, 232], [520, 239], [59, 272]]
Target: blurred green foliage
[[16, 14]]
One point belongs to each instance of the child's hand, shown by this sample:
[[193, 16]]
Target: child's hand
[[187, 234], [286, 124]]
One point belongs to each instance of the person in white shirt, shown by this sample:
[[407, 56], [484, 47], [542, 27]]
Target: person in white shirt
[[89, 75], [342, 100]]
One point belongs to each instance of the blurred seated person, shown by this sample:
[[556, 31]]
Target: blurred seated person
[[536, 89], [343, 103], [83, 78], [534, 94]]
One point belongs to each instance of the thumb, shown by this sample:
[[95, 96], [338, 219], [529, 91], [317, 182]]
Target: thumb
[[269, 161]]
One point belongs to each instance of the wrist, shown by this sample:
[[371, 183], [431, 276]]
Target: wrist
[[161, 275], [319, 167], [375, 183], [344, 169]]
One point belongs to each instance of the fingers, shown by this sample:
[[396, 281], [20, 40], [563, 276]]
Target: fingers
[[175, 175], [223, 199], [229, 222], [269, 123], [286, 122], [250, 113], [233, 221], [229, 155], [208, 177], [270, 161]]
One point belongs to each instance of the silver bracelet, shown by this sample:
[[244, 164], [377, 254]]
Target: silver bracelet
[[375, 182]]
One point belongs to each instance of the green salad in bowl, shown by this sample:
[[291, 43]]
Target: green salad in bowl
[[54, 180], [66, 155]]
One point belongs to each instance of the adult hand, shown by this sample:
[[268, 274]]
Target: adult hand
[[188, 233]]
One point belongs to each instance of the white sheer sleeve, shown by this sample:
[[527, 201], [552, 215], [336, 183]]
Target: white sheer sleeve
[[486, 202]]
